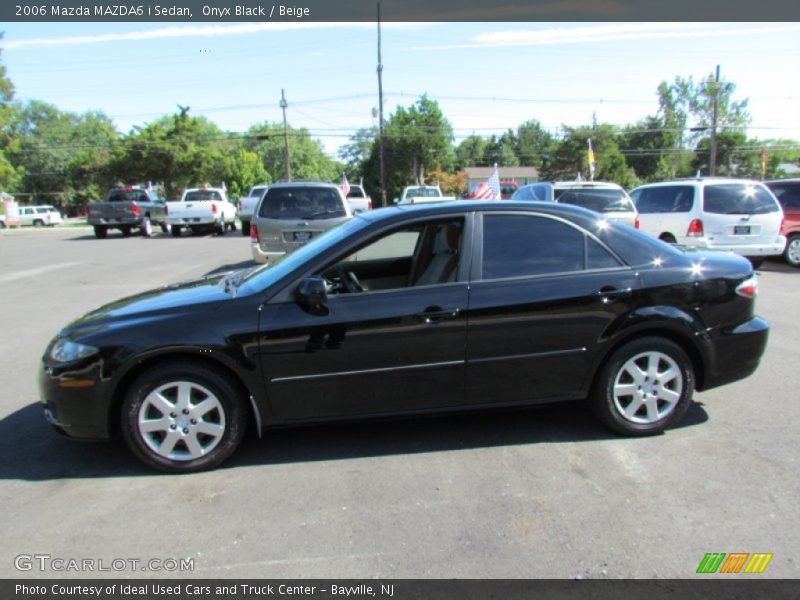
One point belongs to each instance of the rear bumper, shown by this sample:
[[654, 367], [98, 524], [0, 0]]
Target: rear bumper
[[116, 222], [735, 353], [193, 221], [771, 248], [262, 257]]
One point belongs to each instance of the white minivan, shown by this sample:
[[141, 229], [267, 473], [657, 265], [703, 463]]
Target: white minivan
[[713, 213]]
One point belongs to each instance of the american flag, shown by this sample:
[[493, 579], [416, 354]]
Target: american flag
[[489, 189], [345, 186]]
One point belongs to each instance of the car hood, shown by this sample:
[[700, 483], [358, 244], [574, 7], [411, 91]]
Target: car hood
[[161, 301]]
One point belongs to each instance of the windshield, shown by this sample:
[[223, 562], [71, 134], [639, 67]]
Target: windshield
[[122, 195], [423, 192], [302, 203], [258, 279], [202, 196], [738, 199], [596, 199]]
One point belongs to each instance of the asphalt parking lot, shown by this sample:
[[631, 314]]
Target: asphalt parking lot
[[536, 493]]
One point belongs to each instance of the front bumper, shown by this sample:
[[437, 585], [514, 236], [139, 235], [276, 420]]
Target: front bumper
[[263, 257], [76, 403], [734, 353], [763, 249]]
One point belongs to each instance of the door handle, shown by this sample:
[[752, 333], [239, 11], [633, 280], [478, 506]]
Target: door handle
[[609, 293], [434, 314]]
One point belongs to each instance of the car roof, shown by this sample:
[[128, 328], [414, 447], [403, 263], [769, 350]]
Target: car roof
[[789, 180], [303, 183], [563, 185], [700, 181], [401, 211]]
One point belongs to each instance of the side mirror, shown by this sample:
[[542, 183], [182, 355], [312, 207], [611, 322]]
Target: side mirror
[[312, 295]]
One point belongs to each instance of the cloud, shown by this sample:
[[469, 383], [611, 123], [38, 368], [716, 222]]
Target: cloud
[[192, 31], [611, 33]]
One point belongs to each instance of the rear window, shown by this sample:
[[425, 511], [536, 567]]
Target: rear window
[[202, 196], [302, 203], [738, 199], [788, 194], [127, 196], [664, 199], [356, 192], [598, 200], [423, 192], [256, 192], [541, 192]]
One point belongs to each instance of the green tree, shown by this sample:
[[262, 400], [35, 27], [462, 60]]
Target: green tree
[[533, 143], [357, 152], [243, 170], [10, 176], [307, 155], [502, 150], [570, 156], [419, 138], [471, 152]]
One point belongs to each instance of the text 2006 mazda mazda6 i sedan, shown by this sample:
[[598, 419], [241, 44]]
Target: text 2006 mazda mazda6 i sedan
[[411, 310]]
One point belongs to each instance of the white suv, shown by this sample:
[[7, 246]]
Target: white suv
[[713, 213]]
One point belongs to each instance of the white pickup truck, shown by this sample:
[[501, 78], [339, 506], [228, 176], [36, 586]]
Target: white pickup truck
[[201, 209], [247, 205], [415, 194], [358, 199]]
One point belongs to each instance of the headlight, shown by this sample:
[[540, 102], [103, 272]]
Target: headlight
[[65, 350]]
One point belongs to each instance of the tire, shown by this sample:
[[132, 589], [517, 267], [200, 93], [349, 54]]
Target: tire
[[232, 225], [164, 228], [126, 231], [628, 396], [175, 230], [38, 223], [220, 228], [209, 419], [100, 232], [146, 228], [792, 252], [668, 238], [246, 228], [756, 261]]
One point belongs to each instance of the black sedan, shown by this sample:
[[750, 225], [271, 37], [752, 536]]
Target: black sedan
[[409, 310]]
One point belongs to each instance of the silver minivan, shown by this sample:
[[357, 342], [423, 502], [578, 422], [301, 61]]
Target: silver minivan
[[291, 213]]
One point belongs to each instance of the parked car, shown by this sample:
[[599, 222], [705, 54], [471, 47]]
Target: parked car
[[127, 208], [787, 191], [417, 194], [40, 216], [606, 198], [293, 212], [507, 189], [247, 206], [201, 209], [410, 310], [713, 213], [358, 199]]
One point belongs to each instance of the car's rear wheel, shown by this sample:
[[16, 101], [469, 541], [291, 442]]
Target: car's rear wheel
[[668, 238], [792, 251], [38, 223], [181, 417], [246, 228], [175, 231], [100, 232], [644, 387], [220, 228]]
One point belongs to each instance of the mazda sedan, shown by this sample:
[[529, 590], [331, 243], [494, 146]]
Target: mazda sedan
[[411, 310]]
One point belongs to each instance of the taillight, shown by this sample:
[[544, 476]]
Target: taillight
[[253, 232], [636, 222], [135, 209], [214, 209], [748, 288], [695, 228], [369, 204]]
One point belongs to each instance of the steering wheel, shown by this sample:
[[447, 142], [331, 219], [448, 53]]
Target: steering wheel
[[341, 281], [353, 284]]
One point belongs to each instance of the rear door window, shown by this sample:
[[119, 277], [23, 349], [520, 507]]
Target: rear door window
[[788, 194], [665, 199], [598, 200], [738, 199]]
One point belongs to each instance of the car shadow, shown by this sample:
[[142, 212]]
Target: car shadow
[[777, 265], [33, 451]]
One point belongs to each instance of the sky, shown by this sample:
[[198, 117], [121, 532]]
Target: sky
[[487, 77]]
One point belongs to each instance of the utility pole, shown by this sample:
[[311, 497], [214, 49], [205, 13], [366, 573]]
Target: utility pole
[[713, 162], [284, 104], [380, 114]]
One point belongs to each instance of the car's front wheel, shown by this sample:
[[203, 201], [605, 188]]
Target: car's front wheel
[[100, 232], [180, 417], [792, 251], [644, 387]]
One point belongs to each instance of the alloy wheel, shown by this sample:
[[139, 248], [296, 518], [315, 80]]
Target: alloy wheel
[[647, 387]]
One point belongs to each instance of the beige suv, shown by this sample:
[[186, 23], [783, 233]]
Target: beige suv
[[291, 213]]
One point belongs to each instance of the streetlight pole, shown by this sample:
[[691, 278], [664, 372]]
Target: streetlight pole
[[284, 104], [380, 114]]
